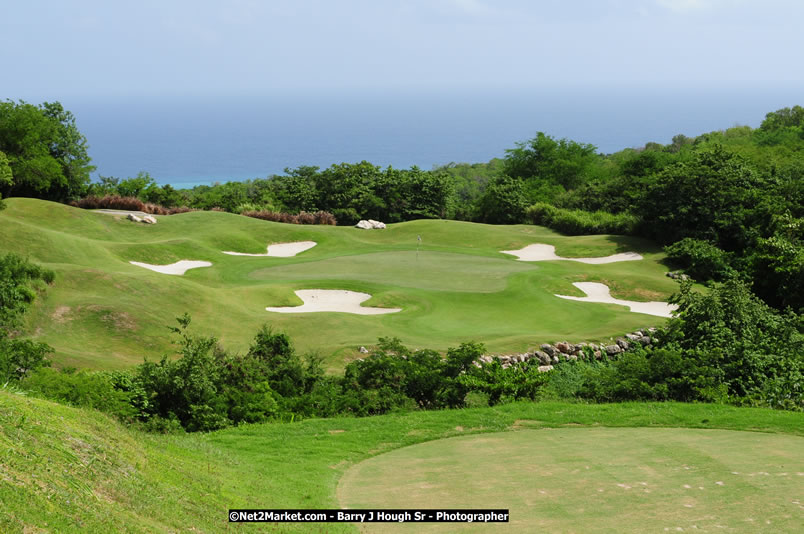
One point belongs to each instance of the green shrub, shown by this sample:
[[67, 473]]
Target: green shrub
[[85, 389], [638, 375], [700, 259], [346, 216], [503, 202], [505, 384], [566, 380], [579, 222], [730, 330], [19, 357], [19, 281]]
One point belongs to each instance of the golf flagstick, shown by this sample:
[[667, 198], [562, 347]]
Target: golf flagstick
[[418, 242]]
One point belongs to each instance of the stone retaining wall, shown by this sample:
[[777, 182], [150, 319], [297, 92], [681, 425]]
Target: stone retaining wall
[[549, 355]]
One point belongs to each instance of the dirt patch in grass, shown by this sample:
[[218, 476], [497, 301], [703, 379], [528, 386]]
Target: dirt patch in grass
[[61, 314], [117, 320]]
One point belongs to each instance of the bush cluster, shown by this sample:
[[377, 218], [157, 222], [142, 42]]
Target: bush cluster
[[319, 217], [20, 280], [579, 222], [206, 388], [700, 259], [726, 345], [116, 202]]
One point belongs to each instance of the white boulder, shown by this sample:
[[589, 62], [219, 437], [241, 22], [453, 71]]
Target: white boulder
[[370, 224], [132, 217]]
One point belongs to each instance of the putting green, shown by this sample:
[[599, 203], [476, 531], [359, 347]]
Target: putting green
[[593, 480], [437, 271], [452, 286]]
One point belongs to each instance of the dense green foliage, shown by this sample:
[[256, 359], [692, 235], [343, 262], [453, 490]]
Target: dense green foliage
[[726, 204], [580, 222], [19, 282], [546, 161], [84, 389], [700, 259], [43, 150], [725, 346], [206, 388]]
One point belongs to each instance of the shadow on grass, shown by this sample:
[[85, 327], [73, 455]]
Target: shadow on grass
[[625, 243]]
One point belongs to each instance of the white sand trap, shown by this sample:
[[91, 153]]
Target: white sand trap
[[178, 268], [280, 250], [541, 252], [333, 300], [596, 292]]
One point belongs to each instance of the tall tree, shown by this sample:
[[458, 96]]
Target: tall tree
[[46, 152], [712, 197], [557, 162], [6, 177]]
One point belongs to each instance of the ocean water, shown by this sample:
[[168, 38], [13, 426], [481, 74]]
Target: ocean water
[[187, 141]]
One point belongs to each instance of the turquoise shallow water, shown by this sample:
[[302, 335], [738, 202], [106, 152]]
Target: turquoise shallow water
[[195, 140]]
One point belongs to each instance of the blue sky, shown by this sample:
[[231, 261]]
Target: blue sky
[[88, 47]]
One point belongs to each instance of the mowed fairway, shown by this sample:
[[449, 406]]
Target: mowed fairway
[[103, 312], [593, 480]]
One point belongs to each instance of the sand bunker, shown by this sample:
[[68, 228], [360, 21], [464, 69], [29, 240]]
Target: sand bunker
[[281, 250], [596, 292], [333, 300], [541, 252], [178, 268]]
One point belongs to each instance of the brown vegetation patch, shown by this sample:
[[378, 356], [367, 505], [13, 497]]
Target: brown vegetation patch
[[646, 294], [116, 319], [116, 202], [61, 315], [319, 217], [526, 423]]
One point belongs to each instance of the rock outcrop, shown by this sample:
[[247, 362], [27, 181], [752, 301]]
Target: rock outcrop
[[676, 275], [370, 224], [147, 219]]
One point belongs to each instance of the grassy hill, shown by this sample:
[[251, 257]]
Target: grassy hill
[[64, 469], [102, 312]]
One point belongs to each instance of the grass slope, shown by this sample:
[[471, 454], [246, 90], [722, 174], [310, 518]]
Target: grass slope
[[103, 312], [68, 470]]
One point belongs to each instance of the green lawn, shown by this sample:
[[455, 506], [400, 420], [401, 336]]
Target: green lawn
[[103, 312], [594, 479], [69, 470]]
